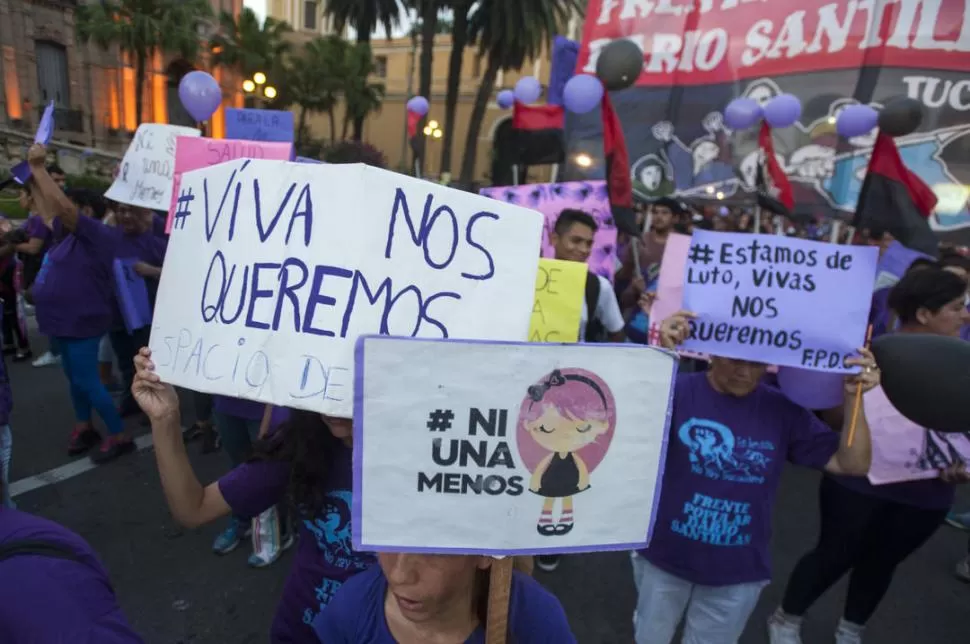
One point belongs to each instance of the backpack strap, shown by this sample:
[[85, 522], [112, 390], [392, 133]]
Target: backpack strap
[[36, 547], [593, 325]]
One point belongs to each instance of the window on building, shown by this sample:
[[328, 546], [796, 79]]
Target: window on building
[[380, 65], [310, 10], [52, 73]]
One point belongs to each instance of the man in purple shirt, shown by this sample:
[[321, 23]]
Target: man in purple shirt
[[730, 436]]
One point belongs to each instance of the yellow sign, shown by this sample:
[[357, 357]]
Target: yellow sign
[[560, 298]]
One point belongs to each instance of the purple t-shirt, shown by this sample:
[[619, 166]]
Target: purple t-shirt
[[880, 315], [723, 465], [37, 229], [49, 599], [74, 293], [248, 409], [356, 614], [324, 558]]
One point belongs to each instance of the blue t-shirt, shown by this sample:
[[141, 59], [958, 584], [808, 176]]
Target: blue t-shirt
[[356, 614]]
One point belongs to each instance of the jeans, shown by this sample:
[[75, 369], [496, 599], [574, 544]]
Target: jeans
[[237, 436], [126, 348], [79, 358], [714, 614], [6, 452]]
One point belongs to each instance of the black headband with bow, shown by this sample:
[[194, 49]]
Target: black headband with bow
[[556, 379]]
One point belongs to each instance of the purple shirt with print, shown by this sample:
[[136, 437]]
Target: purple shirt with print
[[724, 461], [49, 599], [74, 290], [357, 614], [324, 558]]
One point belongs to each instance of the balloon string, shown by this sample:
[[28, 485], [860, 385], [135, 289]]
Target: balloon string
[[858, 397]]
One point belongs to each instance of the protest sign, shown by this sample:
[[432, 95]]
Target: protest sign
[[201, 152], [274, 268], [893, 264], [145, 176], [252, 124], [778, 300], [552, 198], [506, 448], [45, 130], [132, 294], [559, 301], [670, 289], [307, 160], [904, 451]]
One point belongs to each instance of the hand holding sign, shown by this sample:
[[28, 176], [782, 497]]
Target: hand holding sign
[[37, 156]]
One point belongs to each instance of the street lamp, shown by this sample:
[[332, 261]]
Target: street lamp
[[257, 89], [432, 129]]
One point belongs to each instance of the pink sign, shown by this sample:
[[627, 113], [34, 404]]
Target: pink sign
[[195, 152], [904, 451], [670, 288], [552, 198]]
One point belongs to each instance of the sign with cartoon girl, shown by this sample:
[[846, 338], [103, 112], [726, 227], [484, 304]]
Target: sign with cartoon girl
[[478, 447], [565, 426]]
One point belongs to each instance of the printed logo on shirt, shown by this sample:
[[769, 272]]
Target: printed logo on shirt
[[716, 522], [716, 454], [332, 531], [324, 593]]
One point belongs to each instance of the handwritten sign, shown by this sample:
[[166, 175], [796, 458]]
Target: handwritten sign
[[259, 125], [274, 268], [201, 152], [670, 289], [893, 264], [146, 172], [132, 295], [507, 448], [904, 451], [560, 297], [307, 160], [552, 198], [778, 300]]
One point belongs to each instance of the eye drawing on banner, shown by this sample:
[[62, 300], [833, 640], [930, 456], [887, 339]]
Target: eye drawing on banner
[[565, 427]]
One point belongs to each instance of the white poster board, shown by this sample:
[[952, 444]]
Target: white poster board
[[275, 268], [502, 448], [145, 176]]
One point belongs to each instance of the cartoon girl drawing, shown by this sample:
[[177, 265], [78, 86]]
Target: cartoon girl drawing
[[565, 426]]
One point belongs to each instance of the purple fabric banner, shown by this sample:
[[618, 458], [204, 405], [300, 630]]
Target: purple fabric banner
[[552, 198]]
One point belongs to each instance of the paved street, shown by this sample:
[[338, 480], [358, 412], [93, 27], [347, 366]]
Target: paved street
[[176, 592]]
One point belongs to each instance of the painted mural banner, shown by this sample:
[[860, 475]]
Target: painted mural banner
[[699, 55]]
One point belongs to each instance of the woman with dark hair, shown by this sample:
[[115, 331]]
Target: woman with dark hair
[[437, 598], [867, 530], [306, 463]]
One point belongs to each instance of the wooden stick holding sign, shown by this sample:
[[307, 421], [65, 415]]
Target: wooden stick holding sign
[[858, 397], [499, 591]]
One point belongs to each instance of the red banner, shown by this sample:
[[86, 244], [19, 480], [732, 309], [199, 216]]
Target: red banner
[[697, 42]]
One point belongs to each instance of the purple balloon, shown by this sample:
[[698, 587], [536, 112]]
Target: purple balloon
[[583, 92], [418, 105], [200, 94], [856, 120], [742, 113], [505, 99], [783, 110], [812, 389], [528, 90]]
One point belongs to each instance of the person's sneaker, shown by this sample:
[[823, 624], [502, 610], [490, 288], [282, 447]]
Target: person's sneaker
[[784, 630], [112, 448], [848, 633], [963, 570], [23, 356], [257, 560], [83, 438], [230, 538], [961, 520], [47, 359], [548, 563]]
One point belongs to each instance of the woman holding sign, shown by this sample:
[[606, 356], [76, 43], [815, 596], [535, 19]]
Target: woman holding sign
[[307, 463], [730, 436], [867, 530]]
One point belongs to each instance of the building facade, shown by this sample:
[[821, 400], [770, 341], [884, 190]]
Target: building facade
[[93, 90]]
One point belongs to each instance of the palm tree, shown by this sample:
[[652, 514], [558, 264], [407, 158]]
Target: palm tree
[[365, 16], [314, 80], [140, 28], [508, 33], [361, 97], [248, 46], [459, 40]]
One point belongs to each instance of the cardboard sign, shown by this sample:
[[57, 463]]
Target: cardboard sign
[[778, 300], [307, 160], [259, 125], [145, 176], [132, 295], [45, 130], [504, 448], [552, 198], [559, 301], [274, 268], [201, 152], [904, 451]]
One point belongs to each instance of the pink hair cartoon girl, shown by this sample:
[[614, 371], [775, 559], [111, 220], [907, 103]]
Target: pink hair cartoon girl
[[565, 426]]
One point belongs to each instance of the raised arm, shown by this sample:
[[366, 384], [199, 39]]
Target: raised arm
[[51, 200]]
